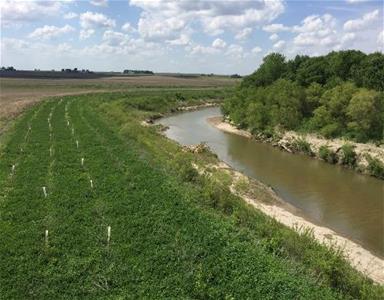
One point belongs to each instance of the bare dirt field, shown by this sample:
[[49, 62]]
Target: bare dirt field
[[18, 93]]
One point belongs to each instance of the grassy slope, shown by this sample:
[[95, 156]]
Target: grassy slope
[[167, 239]]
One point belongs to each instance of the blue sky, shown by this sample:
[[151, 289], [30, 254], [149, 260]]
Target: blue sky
[[192, 36]]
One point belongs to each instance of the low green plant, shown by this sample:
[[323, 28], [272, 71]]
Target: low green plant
[[302, 146], [349, 156], [327, 154], [375, 167]]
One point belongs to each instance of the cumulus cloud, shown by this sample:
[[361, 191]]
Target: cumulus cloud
[[25, 11], [90, 20], [274, 37], [243, 34], [316, 30], [48, 32], [127, 27], [86, 33], [13, 44], [235, 51], [99, 2], [219, 44], [160, 29], [279, 45], [199, 49], [256, 50], [380, 40], [70, 15], [183, 40], [362, 23], [274, 28], [115, 38], [213, 16]]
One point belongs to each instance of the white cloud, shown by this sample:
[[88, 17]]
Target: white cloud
[[243, 34], [219, 44], [47, 32], [70, 15], [316, 30], [114, 38], [99, 2], [274, 37], [274, 28], [13, 44], [127, 27], [213, 16], [89, 20], [198, 49], [25, 11], [235, 51], [86, 33], [362, 23], [256, 50], [183, 40], [279, 45], [348, 37], [158, 29], [380, 39]]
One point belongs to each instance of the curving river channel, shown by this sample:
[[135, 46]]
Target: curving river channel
[[347, 202]]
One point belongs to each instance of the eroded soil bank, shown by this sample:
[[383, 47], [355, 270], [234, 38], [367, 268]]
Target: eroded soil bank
[[290, 141]]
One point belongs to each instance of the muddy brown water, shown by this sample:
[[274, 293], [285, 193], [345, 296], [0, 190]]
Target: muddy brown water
[[343, 200]]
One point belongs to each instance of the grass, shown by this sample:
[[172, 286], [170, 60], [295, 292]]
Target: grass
[[175, 234]]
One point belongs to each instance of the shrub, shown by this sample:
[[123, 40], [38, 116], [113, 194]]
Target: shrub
[[349, 155], [375, 167], [185, 168], [301, 145], [327, 154]]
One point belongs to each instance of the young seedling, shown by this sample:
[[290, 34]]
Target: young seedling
[[82, 161], [46, 237], [108, 234], [91, 182], [21, 149], [67, 123], [73, 131], [13, 169], [50, 151], [77, 144], [45, 191]]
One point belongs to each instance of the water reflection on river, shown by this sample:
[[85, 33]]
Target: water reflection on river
[[350, 203]]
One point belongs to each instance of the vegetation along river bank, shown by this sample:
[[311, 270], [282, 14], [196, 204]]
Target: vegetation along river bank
[[173, 231], [360, 258]]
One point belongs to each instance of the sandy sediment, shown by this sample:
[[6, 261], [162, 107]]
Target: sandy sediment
[[361, 259]]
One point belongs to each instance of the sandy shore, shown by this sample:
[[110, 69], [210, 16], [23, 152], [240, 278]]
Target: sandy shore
[[360, 258]]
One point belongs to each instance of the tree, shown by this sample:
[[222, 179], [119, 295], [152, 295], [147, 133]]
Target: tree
[[286, 99], [272, 68], [365, 111], [315, 69], [370, 73], [341, 63]]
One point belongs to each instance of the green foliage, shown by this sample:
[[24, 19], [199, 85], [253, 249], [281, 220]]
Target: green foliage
[[175, 234], [302, 146], [184, 166], [319, 94], [327, 154], [348, 155], [375, 167], [272, 68]]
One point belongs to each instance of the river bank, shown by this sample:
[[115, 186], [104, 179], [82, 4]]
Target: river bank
[[360, 258], [366, 158]]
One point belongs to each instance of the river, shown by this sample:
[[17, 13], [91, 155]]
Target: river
[[347, 202]]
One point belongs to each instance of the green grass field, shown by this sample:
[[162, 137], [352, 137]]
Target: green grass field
[[174, 234]]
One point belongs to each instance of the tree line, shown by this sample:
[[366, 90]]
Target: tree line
[[337, 95]]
